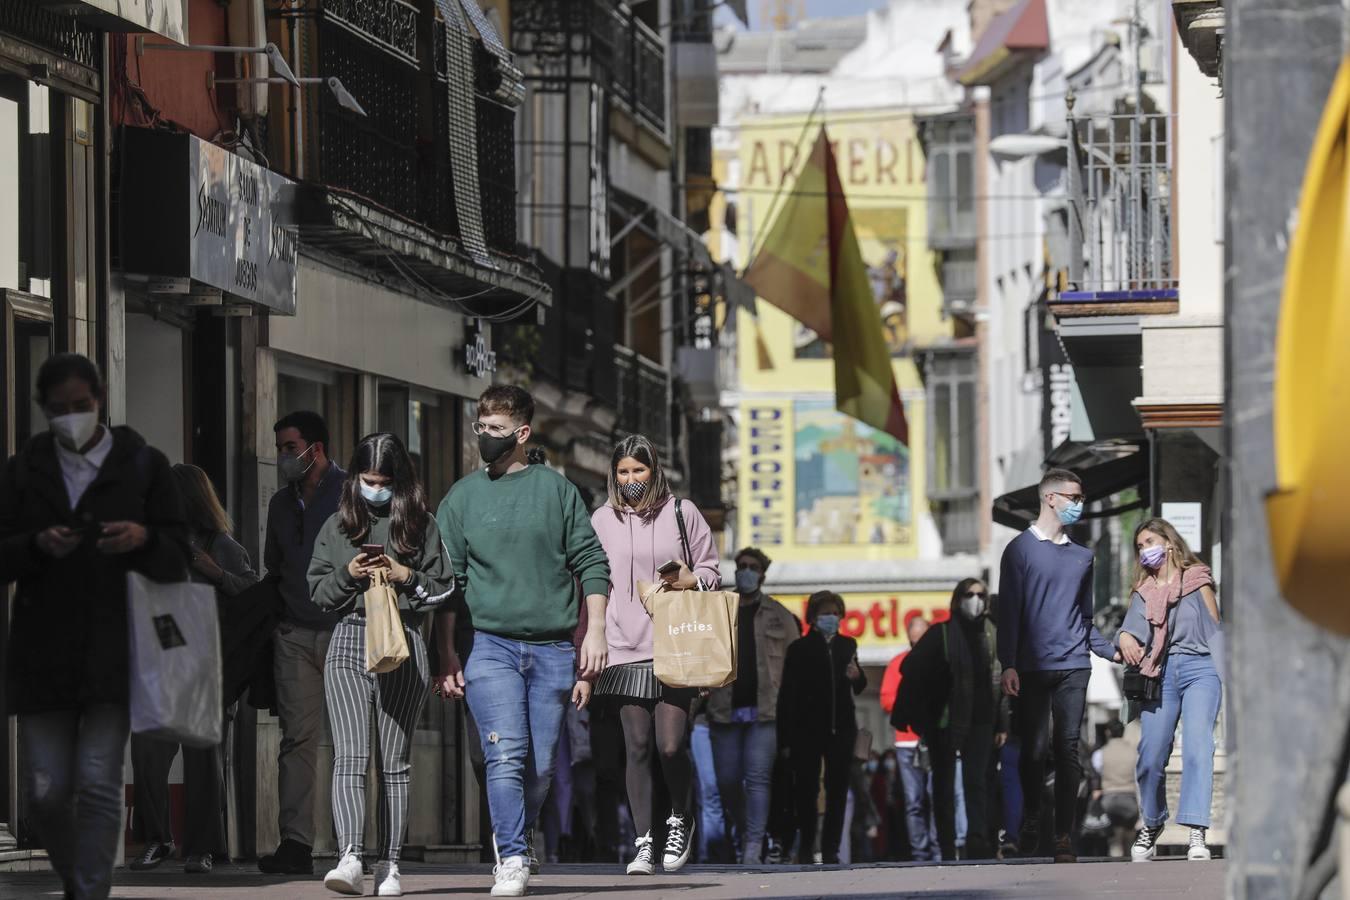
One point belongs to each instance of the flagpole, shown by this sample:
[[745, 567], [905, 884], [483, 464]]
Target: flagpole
[[758, 245]]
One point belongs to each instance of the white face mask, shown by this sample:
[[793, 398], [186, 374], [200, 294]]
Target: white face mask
[[972, 607], [74, 429], [377, 496]]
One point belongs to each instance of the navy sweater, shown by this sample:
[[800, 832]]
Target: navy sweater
[[1045, 607]]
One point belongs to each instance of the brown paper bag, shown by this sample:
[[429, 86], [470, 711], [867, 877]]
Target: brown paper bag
[[693, 635], [386, 645]]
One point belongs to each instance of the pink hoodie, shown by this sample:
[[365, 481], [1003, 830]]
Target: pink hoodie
[[636, 548]]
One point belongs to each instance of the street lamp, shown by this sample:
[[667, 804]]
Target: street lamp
[[270, 50], [340, 93]]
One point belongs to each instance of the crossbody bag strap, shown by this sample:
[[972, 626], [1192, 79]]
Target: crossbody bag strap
[[684, 539]]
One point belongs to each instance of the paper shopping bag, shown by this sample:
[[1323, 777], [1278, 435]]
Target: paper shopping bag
[[694, 636], [173, 634], [386, 644]]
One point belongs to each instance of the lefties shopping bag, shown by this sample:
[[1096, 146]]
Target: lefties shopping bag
[[386, 645], [693, 636], [173, 635]]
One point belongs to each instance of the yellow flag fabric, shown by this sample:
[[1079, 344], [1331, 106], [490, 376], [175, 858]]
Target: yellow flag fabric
[[811, 267]]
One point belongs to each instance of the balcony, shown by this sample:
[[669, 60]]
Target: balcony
[[1120, 222], [1200, 23], [960, 283], [424, 184], [949, 145], [644, 398]]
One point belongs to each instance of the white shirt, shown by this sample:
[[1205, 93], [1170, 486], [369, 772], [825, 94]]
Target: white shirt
[[1062, 538], [80, 469]]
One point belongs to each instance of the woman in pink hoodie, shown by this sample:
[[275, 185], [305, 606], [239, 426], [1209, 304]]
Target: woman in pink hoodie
[[644, 527]]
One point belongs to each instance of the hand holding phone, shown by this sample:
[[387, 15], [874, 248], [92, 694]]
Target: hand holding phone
[[372, 552]]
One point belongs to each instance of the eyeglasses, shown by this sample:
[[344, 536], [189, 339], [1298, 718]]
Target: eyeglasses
[[1072, 498], [980, 594], [481, 428]]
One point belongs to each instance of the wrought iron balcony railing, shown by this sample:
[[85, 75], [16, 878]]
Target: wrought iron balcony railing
[[644, 397], [392, 55], [1120, 227]]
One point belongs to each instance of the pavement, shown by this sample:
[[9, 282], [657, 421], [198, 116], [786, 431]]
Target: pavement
[[1030, 880]]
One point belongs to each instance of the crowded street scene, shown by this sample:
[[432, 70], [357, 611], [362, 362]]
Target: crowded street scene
[[674, 448]]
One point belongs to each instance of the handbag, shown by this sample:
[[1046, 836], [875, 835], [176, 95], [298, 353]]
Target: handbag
[[1140, 688], [694, 640], [173, 636], [386, 644]]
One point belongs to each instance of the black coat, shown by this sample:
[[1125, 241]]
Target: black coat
[[68, 639], [816, 697], [940, 676]]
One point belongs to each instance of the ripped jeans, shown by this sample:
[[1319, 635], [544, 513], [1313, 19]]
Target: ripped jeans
[[75, 760], [518, 694]]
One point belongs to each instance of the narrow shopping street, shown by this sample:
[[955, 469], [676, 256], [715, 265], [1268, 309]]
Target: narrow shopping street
[[1029, 881]]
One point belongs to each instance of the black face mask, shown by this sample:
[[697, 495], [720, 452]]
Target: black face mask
[[494, 448]]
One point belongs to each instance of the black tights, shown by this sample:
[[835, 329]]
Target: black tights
[[671, 727]]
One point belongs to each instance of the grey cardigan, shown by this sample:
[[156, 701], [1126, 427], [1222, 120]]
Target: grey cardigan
[[232, 559]]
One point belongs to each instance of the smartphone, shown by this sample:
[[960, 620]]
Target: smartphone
[[669, 568], [372, 551]]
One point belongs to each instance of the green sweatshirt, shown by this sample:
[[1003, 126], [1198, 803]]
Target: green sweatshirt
[[518, 544], [332, 587]]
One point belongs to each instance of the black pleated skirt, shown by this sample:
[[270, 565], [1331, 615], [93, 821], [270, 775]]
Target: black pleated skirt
[[638, 681]]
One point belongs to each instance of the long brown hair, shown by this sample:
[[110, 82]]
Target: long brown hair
[[1185, 556], [658, 488], [385, 455], [201, 506]]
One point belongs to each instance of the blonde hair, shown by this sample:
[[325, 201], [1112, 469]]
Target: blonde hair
[[1164, 529], [201, 506]]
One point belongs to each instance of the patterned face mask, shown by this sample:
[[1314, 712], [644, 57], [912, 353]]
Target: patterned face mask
[[633, 492]]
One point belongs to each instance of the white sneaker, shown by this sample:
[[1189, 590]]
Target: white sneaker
[[388, 882], [643, 864], [1146, 844], [679, 843], [513, 876], [348, 877], [1198, 852]]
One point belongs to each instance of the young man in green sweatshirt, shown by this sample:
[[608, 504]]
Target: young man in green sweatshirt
[[519, 539]]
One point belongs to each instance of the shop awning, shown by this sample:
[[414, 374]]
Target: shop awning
[[1106, 467], [1020, 31]]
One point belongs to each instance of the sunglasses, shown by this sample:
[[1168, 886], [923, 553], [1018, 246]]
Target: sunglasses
[[980, 594]]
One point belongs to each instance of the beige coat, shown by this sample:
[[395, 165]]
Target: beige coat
[[775, 628]]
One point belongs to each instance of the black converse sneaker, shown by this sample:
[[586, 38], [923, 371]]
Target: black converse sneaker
[[1146, 844], [643, 864], [1198, 852], [678, 843]]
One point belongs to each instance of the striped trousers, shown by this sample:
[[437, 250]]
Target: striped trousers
[[396, 698]]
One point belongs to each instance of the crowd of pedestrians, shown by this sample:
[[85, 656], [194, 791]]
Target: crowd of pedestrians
[[533, 606]]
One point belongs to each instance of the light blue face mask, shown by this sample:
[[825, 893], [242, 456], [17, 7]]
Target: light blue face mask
[[827, 625], [1069, 515], [377, 496]]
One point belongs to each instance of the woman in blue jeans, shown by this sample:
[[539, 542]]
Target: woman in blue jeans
[[1168, 631]]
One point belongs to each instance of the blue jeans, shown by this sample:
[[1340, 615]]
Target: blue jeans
[[1191, 692], [743, 754], [712, 832], [75, 762], [518, 694], [918, 785]]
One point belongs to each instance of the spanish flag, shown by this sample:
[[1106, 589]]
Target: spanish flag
[[810, 266]]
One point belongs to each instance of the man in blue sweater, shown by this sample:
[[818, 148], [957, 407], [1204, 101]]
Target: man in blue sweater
[[1045, 633]]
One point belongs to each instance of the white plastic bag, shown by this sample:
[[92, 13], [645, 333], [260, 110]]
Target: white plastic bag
[[174, 654]]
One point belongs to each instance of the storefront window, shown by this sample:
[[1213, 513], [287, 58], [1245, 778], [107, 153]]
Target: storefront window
[[329, 392], [25, 174]]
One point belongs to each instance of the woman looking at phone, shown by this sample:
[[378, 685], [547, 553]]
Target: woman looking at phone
[[650, 536], [382, 524]]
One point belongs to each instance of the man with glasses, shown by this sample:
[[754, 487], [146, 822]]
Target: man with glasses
[[311, 488], [520, 540], [1045, 633]]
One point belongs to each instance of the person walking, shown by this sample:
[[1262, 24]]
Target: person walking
[[81, 505], [520, 540], [1119, 794], [217, 559], [1169, 631], [912, 759], [312, 488], [650, 536], [712, 829], [742, 715], [382, 524], [816, 722], [950, 696], [1045, 634]]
